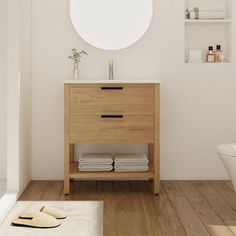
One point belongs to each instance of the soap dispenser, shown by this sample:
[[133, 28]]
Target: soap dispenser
[[220, 57], [211, 56]]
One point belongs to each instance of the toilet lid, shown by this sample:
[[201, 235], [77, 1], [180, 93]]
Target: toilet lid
[[227, 149]]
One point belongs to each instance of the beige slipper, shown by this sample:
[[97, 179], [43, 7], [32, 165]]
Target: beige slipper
[[58, 214], [39, 220]]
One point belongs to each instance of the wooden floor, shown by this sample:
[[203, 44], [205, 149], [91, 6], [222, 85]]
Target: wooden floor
[[183, 207]]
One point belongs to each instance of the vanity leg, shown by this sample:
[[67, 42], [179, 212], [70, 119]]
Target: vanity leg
[[157, 184], [72, 154], [156, 144], [154, 185], [67, 145], [67, 170], [66, 186]]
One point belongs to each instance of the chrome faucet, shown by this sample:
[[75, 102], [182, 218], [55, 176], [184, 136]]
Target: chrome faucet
[[111, 70]]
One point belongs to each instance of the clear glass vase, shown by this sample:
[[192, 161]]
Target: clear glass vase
[[76, 70]]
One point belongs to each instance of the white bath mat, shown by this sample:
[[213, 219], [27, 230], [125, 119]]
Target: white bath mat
[[84, 218]]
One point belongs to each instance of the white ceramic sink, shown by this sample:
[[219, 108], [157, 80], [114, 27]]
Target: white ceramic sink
[[115, 81]]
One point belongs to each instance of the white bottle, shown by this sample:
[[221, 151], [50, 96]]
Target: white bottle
[[220, 57]]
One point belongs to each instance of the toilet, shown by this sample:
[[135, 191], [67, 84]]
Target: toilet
[[227, 153]]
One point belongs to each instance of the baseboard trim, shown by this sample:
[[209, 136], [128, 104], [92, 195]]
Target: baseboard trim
[[6, 204]]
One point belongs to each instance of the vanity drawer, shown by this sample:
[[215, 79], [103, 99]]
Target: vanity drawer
[[105, 99], [106, 109], [103, 129]]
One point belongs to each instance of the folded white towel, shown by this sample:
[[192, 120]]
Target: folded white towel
[[207, 9], [207, 15], [96, 162], [95, 168], [131, 163], [139, 158], [131, 168], [104, 158], [99, 165]]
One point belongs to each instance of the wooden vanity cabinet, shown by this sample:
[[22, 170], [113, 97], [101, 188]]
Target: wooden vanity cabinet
[[112, 113]]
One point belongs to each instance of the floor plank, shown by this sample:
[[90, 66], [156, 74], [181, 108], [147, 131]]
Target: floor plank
[[169, 221], [229, 183], [34, 191], [191, 222], [75, 194], [87, 190], [207, 215], [52, 191], [145, 206], [104, 188], [225, 192], [224, 211], [124, 211]]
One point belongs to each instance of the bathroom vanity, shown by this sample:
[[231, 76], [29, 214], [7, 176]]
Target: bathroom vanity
[[112, 111]]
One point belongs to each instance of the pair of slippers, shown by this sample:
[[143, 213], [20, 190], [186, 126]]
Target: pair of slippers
[[45, 218]]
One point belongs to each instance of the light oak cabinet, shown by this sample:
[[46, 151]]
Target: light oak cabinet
[[112, 113]]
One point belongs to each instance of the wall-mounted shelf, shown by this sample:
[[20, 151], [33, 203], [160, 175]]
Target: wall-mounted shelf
[[202, 33], [223, 21]]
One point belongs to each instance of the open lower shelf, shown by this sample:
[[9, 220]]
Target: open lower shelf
[[74, 173]]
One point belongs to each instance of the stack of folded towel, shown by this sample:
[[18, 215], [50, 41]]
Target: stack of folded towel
[[95, 162], [131, 162], [206, 13]]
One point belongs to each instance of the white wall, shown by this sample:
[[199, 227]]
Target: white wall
[[3, 155], [13, 94], [26, 106], [197, 101], [17, 48], [17, 90]]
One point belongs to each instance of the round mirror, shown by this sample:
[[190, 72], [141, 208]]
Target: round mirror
[[111, 24]]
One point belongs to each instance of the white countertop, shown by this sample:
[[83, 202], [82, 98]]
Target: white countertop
[[115, 81]]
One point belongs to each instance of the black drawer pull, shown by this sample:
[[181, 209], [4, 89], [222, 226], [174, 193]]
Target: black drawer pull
[[112, 116], [112, 88]]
